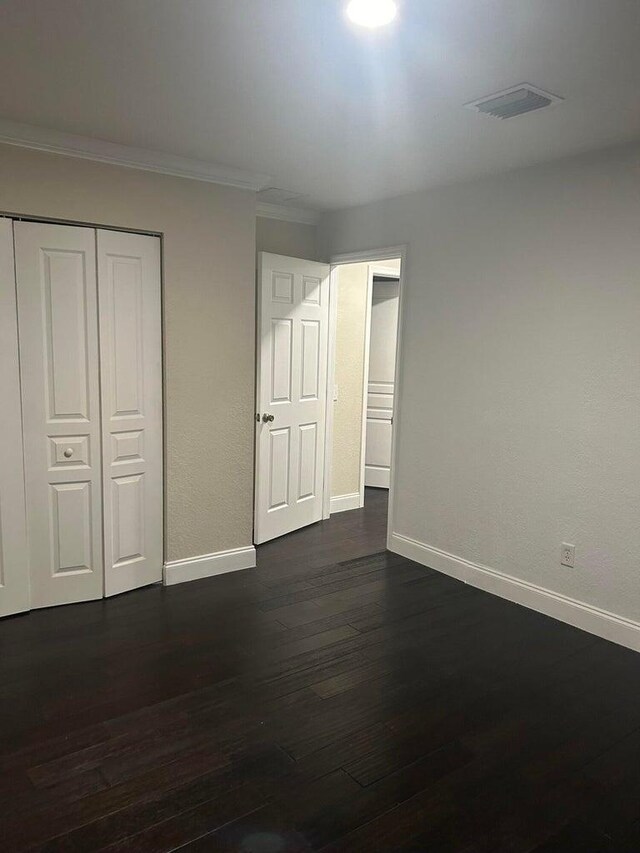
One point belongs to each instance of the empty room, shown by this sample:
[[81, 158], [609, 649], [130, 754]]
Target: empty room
[[320, 418]]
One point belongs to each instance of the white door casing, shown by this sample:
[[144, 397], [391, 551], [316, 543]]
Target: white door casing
[[131, 392], [58, 335], [293, 303], [381, 378], [14, 566]]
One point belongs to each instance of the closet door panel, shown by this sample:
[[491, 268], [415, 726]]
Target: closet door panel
[[57, 317], [14, 566], [131, 381]]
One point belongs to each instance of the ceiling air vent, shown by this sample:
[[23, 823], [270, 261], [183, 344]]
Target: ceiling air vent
[[514, 102]]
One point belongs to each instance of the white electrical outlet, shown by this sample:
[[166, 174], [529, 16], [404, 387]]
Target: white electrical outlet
[[567, 555]]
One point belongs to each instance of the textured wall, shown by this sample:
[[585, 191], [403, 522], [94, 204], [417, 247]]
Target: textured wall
[[347, 424], [286, 238], [519, 425], [209, 317]]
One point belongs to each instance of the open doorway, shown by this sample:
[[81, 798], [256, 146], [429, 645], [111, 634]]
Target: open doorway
[[363, 353], [320, 390]]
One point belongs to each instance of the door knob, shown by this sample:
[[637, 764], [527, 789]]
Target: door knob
[[268, 418], [68, 453]]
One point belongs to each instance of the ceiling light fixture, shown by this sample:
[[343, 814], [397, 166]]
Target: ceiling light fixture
[[372, 13]]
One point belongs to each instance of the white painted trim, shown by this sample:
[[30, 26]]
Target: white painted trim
[[372, 256], [331, 384], [287, 214], [209, 565], [603, 624], [342, 503], [397, 391], [365, 377], [378, 478], [87, 148]]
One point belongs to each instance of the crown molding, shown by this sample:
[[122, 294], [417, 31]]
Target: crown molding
[[87, 148], [287, 214]]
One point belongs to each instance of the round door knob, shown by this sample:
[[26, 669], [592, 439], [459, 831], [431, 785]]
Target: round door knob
[[268, 418], [68, 453]]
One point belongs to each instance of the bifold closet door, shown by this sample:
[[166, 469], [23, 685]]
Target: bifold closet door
[[131, 382], [58, 334], [14, 567], [90, 336]]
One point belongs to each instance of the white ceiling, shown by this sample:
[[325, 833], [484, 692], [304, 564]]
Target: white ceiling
[[289, 88]]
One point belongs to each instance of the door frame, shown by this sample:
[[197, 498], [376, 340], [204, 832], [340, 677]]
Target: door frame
[[372, 257]]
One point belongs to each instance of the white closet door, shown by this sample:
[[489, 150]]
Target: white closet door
[[131, 381], [14, 565], [58, 324]]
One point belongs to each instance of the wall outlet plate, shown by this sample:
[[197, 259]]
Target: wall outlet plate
[[567, 555]]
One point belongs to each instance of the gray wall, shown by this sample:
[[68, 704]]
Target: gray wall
[[209, 316], [519, 425]]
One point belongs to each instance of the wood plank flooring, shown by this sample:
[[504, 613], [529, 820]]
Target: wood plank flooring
[[338, 698]]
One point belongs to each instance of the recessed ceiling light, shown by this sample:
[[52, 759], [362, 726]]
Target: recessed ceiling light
[[372, 13]]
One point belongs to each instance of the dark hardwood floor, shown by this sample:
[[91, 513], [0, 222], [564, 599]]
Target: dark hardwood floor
[[337, 698]]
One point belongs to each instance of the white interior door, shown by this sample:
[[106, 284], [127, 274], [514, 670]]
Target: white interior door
[[380, 389], [14, 565], [58, 333], [131, 385], [293, 317]]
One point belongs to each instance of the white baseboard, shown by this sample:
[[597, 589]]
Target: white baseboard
[[341, 503], [209, 565], [607, 625], [376, 477]]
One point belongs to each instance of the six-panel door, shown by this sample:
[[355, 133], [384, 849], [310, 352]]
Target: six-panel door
[[292, 384]]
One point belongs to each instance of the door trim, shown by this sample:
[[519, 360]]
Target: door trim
[[371, 256], [331, 384], [365, 378]]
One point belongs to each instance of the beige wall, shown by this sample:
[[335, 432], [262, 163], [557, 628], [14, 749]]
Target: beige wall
[[520, 376], [286, 238], [209, 286], [349, 377]]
